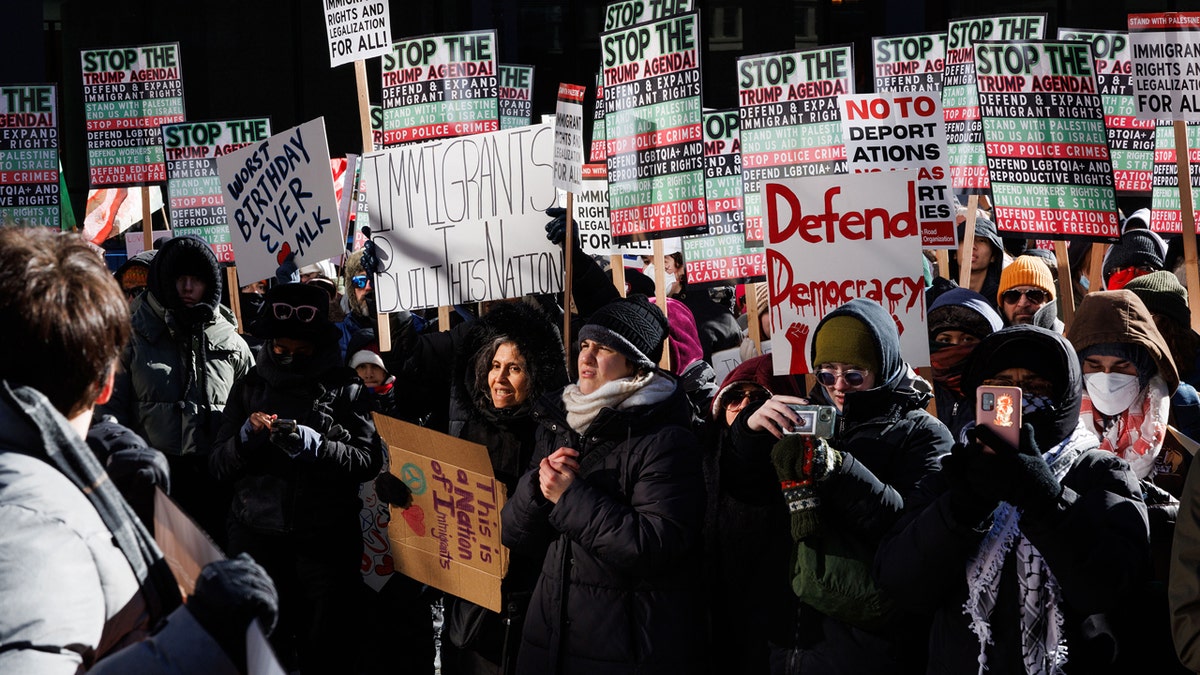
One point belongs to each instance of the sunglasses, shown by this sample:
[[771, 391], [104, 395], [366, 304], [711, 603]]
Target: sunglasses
[[303, 313], [1036, 295], [748, 394], [854, 378], [360, 281]]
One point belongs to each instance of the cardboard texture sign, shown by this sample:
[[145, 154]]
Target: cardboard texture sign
[[449, 537]]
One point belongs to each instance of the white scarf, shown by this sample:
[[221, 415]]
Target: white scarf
[[1043, 646], [627, 392]]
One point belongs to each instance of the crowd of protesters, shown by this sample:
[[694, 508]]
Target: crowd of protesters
[[659, 520]]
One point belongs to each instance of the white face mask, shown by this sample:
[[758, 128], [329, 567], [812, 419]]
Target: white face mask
[[1112, 393]]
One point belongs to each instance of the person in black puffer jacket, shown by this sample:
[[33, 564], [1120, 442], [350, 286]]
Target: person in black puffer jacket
[[616, 505], [296, 505]]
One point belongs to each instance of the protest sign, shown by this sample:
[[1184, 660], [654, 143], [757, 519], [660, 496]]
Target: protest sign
[[135, 242], [909, 62], [599, 151], [29, 177], [789, 120], [720, 255], [568, 138], [357, 30], [128, 94], [1046, 144], [516, 95], [377, 127], [450, 537], [590, 214], [960, 98], [831, 239], [1130, 140], [652, 118], [109, 212], [1166, 65], [1166, 216], [631, 12], [279, 199], [463, 221], [901, 131], [191, 150], [438, 86]]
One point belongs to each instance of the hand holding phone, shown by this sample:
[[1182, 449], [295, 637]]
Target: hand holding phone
[[999, 409]]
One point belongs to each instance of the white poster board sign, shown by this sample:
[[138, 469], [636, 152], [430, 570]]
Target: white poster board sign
[[568, 138], [463, 220], [279, 197], [357, 30], [831, 239], [1166, 77]]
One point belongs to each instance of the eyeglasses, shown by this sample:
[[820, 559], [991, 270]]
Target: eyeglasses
[[1036, 295], [303, 313], [360, 281], [131, 293], [854, 378]]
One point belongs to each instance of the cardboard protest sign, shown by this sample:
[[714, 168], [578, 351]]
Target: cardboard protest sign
[[904, 131], [790, 125], [29, 178], [1166, 65], [960, 98], [1130, 140], [1166, 216], [909, 62], [831, 239], [357, 30], [568, 138], [450, 537], [191, 150], [279, 199], [440, 86], [109, 212], [463, 221], [1046, 145], [628, 13], [128, 94], [599, 149], [720, 256], [516, 95], [652, 118]]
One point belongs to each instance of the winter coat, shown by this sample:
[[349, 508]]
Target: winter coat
[[619, 588], [274, 493], [70, 595], [1184, 590], [176, 372]]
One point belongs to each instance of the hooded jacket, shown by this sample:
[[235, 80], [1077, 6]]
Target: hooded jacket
[[181, 362], [619, 587], [1120, 316], [951, 409], [888, 444], [1094, 540], [986, 229]]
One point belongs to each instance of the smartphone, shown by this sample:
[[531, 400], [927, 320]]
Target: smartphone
[[1000, 409], [283, 426]]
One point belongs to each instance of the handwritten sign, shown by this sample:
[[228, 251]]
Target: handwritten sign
[[516, 96], [789, 120], [960, 97], [905, 131], [1046, 145], [909, 62], [652, 119], [128, 94], [720, 256], [1166, 65], [279, 199], [439, 86], [450, 537], [831, 239], [191, 150], [462, 221], [1130, 140], [1166, 215], [568, 138], [357, 30], [29, 189]]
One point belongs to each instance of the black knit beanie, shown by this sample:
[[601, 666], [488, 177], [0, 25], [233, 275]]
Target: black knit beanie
[[1163, 294], [1137, 248], [631, 326]]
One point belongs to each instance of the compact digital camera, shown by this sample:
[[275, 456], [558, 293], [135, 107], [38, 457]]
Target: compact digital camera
[[815, 420]]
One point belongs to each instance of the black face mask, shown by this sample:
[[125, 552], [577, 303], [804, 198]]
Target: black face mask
[[290, 362]]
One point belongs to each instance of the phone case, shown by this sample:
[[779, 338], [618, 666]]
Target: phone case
[[1000, 409]]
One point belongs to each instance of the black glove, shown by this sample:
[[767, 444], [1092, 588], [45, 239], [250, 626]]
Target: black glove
[[393, 490], [287, 272], [969, 507], [1022, 477], [136, 472], [229, 595], [556, 229], [370, 257]]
